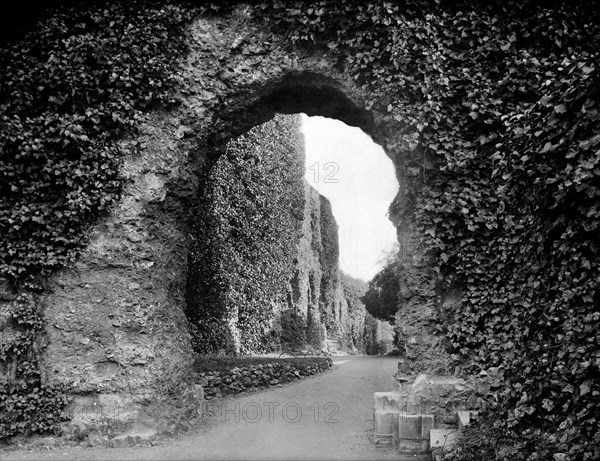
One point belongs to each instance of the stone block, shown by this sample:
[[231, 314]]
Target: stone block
[[427, 424], [410, 431], [411, 408], [383, 422], [137, 435], [383, 400], [396, 429], [465, 416], [436, 393], [410, 426], [199, 394], [442, 438]]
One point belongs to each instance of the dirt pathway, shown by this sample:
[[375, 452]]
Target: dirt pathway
[[323, 417]]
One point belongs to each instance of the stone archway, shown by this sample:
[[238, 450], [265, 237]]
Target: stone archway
[[131, 343], [211, 288]]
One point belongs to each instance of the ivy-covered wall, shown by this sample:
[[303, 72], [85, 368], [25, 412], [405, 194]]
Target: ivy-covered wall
[[323, 301], [263, 271], [108, 294], [245, 239], [488, 110], [84, 307], [495, 107]]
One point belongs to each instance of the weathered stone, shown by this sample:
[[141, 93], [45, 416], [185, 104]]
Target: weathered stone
[[383, 426], [465, 417], [116, 323], [436, 392], [410, 426], [413, 430], [386, 400], [442, 438]]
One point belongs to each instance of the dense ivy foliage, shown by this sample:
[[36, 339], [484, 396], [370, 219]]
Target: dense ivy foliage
[[329, 253], [79, 80], [245, 239], [353, 290], [293, 331], [29, 404], [492, 112], [69, 89], [496, 104]]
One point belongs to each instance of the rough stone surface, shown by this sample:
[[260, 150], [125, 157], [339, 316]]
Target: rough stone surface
[[319, 292], [429, 408], [439, 394], [383, 421], [116, 325]]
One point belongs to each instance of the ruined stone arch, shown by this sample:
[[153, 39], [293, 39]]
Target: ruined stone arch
[[131, 339]]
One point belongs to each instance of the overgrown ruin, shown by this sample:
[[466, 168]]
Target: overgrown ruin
[[487, 111]]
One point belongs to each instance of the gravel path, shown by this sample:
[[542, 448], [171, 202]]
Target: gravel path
[[328, 416]]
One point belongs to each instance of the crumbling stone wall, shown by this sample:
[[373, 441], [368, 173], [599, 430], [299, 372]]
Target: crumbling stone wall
[[442, 127], [327, 309], [117, 334], [217, 383], [116, 323], [304, 289]]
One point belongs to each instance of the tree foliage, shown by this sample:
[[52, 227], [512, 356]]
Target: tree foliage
[[381, 297]]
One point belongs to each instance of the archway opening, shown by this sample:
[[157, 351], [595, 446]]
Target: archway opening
[[358, 178], [264, 269]]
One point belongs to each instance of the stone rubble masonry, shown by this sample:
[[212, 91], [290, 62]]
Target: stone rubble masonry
[[227, 382], [116, 329]]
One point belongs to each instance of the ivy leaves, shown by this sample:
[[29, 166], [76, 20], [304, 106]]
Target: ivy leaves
[[245, 239], [71, 87], [495, 108]]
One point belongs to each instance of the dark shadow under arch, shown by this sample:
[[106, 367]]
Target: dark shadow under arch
[[295, 92]]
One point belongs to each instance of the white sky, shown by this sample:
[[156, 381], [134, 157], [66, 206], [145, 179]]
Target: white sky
[[366, 184]]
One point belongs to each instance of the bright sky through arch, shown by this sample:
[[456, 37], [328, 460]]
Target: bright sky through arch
[[366, 185]]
